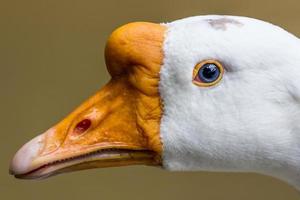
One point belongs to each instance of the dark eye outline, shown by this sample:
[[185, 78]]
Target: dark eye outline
[[197, 81]]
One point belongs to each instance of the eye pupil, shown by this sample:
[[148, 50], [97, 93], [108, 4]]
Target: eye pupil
[[208, 73], [82, 126]]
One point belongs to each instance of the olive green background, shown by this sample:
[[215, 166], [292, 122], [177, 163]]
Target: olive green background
[[51, 59]]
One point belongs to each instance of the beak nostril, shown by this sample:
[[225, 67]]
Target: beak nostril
[[82, 126]]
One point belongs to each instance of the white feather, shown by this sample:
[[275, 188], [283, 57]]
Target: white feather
[[250, 120]]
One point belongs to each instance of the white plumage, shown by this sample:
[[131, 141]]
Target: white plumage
[[250, 120]]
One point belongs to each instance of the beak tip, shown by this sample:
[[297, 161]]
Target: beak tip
[[22, 161]]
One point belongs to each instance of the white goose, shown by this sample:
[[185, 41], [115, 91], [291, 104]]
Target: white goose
[[216, 93]]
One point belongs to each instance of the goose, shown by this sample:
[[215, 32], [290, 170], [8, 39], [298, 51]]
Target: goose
[[203, 93]]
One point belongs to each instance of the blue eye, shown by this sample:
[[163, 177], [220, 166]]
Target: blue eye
[[209, 73]]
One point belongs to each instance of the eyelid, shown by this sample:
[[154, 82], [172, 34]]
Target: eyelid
[[200, 83]]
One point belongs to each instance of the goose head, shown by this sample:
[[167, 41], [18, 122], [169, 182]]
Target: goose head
[[213, 93]]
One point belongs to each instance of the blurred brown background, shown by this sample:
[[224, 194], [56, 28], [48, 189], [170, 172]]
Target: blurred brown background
[[51, 59]]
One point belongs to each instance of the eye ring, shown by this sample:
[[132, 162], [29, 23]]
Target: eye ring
[[208, 73]]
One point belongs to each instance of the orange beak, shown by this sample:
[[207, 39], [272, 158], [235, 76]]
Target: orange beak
[[119, 125]]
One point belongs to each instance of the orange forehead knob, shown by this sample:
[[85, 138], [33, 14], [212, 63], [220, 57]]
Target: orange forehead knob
[[138, 43]]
